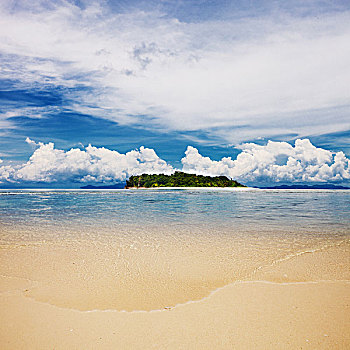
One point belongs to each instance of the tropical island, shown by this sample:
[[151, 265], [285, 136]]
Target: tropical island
[[179, 179]]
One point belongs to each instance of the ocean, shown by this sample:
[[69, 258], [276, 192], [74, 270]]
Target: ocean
[[147, 249]]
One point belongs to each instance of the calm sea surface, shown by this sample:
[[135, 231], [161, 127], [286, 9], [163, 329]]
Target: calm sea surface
[[246, 210], [147, 249]]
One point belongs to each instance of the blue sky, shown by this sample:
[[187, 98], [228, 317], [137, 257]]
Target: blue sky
[[213, 75]]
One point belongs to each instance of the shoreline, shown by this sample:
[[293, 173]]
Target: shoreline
[[227, 189], [308, 293], [189, 188]]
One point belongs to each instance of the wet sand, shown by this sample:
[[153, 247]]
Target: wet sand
[[50, 299]]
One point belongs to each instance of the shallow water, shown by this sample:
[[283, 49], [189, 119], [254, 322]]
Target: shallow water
[[148, 249]]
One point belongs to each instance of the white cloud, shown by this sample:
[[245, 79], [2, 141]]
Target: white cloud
[[274, 162], [269, 74], [7, 173], [31, 142], [91, 164]]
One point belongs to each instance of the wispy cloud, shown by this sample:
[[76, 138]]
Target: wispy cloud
[[237, 79]]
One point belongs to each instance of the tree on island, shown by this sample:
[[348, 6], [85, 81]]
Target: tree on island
[[180, 179]]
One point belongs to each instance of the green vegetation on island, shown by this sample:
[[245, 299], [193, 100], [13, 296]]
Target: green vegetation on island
[[180, 179]]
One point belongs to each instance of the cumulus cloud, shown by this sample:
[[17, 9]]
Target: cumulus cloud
[[31, 142], [91, 164], [274, 162], [274, 75]]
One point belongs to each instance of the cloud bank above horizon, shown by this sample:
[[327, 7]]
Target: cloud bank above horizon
[[275, 162], [237, 79]]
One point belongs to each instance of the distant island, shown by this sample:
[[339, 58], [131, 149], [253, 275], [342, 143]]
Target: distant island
[[179, 179], [307, 187]]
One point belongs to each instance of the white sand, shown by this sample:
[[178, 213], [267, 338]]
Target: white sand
[[301, 302]]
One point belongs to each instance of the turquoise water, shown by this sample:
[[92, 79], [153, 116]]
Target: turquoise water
[[147, 249], [245, 211]]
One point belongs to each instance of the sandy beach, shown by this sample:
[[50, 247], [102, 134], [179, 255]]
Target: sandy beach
[[174, 175], [298, 302]]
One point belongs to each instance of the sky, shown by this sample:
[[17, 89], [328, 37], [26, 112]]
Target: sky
[[92, 92]]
